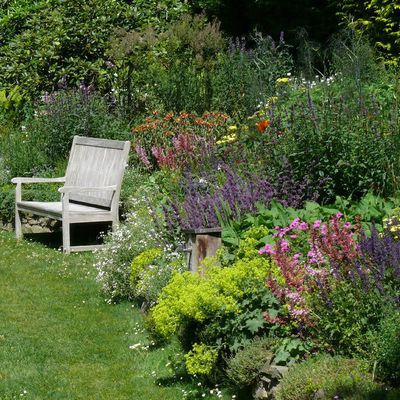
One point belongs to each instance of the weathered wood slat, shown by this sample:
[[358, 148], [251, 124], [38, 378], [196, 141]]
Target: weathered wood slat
[[95, 142], [38, 180]]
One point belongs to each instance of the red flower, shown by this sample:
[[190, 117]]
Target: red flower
[[262, 125]]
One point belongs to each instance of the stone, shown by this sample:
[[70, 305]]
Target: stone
[[260, 393], [270, 376], [277, 371], [319, 394], [36, 229]]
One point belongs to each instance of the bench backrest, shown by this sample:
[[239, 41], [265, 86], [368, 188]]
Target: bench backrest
[[93, 163]]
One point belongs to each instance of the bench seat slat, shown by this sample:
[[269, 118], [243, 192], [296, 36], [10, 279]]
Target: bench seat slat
[[77, 212]]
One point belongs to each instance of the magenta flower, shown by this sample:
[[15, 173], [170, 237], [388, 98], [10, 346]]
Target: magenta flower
[[296, 256], [317, 223], [268, 249], [303, 226], [339, 215], [294, 223], [284, 246]]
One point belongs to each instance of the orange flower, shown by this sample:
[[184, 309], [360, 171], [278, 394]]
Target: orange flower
[[262, 125]]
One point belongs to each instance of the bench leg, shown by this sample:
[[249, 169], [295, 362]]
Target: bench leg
[[115, 224], [66, 237], [18, 224]]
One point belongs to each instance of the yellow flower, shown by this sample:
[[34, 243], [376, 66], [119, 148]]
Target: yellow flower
[[227, 139], [232, 128], [272, 100], [282, 80]]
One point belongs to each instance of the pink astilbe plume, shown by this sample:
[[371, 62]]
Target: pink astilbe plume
[[306, 256]]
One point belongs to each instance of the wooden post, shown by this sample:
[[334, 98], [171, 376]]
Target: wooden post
[[201, 243], [18, 224], [66, 232]]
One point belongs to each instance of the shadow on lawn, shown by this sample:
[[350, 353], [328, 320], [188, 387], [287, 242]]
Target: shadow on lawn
[[81, 234]]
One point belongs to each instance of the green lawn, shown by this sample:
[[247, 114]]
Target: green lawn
[[58, 338]]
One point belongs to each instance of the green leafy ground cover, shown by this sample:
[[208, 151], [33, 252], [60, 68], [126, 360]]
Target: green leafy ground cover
[[60, 340]]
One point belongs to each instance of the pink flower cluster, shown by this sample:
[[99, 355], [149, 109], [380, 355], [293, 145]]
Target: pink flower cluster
[[183, 147], [306, 255]]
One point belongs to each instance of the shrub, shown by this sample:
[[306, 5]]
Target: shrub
[[67, 113], [151, 271], [43, 43], [344, 127], [24, 153], [331, 377], [244, 368], [387, 342], [45, 138], [35, 192], [378, 20], [173, 141], [193, 46], [7, 202], [166, 68], [191, 296], [346, 318], [220, 308], [245, 76]]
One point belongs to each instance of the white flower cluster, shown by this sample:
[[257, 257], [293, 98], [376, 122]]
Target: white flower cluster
[[113, 261]]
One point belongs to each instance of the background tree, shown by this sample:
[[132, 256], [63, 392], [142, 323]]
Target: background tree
[[380, 19], [271, 17], [45, 43]]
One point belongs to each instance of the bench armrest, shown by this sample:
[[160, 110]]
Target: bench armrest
[[20, 180], [37, 180], [76, 189]]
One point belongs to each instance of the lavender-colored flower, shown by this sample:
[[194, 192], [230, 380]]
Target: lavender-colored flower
[[383, 252], [141, 152]]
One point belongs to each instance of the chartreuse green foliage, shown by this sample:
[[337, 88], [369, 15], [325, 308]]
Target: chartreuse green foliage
[[198, 297], [142, 260], [379, 19], [11, 102], [193, 304], [330, 376], [151, 270], [201, 359]]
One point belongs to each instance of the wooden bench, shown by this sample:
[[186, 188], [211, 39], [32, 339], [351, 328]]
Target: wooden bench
[[91, 192]]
